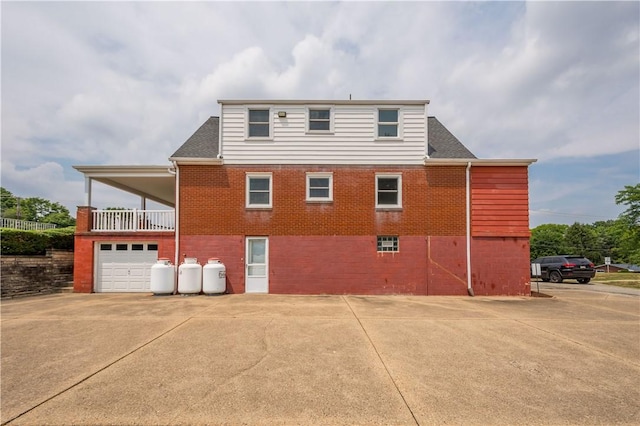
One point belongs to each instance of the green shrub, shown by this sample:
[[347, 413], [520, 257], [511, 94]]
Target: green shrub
[[61, 238], [19, 242]]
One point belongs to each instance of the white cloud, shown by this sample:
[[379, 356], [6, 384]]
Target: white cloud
[[127, 83], [566, 80]]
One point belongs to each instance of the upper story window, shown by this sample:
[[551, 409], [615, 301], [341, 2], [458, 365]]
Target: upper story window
[[320, 120], [259, 123], [388, 123], [319, 187], [259, 192], [388, 191]]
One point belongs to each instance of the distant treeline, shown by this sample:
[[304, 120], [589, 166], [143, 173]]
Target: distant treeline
[[617, 239]]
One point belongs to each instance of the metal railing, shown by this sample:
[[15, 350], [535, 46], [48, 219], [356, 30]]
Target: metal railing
[[25, 224], [133, 220]]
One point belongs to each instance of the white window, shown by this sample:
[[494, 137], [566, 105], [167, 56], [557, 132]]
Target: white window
[[320, 187], [389, 123], [388, 244], [259, 192], [319, 120], [259, 123], [388, 191]]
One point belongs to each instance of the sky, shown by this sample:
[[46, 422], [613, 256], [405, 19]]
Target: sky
[[93, 83]]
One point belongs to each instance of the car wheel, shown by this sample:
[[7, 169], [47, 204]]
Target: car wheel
[[584, 280], [555, 277]]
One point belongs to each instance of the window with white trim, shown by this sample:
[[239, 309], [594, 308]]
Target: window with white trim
[[259, 123], [259, 193], [388, 191], [388, 123], [388, 244], [319, 187], [319, 120]]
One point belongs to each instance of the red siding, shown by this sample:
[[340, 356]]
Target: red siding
[[500, 201]]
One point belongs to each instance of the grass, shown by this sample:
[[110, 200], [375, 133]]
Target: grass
[[620, 279]]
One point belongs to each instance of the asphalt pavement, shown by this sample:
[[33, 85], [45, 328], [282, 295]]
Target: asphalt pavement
[[100, 359]]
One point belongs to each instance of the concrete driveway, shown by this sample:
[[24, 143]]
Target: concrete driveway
[[251, 359]]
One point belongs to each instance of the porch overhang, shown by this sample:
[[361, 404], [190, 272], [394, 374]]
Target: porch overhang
[[155, 183]]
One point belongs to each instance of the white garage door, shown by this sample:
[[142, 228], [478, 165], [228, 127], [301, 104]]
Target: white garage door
[[125, 267]]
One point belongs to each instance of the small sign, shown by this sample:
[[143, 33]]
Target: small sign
[[607, 261], [536, 270]]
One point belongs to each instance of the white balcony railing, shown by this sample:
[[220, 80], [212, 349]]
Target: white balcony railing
[[133, 220], [25, 224]]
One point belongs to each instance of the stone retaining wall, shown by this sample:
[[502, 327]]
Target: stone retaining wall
[[29, 275]]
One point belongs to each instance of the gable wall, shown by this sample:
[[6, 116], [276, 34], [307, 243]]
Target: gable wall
[[352, 142]]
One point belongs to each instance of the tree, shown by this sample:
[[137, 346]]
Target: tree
[[7, 201], [609, 234], [630, 196], [62, 219], [630, 240], [548, 240], [35, 209], [583, 240]]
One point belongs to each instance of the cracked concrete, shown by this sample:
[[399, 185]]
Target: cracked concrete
[[278, 359]]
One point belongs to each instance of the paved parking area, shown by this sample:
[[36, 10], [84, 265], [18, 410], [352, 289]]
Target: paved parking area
[[251, 359]]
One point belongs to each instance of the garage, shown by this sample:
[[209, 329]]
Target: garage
[[124, 267]]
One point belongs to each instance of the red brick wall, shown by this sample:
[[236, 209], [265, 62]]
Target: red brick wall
[[84, 253], [500, 266], [447, 266], [331, 247], [343, 264], [228, 248], [212, 202], [321, 264], [83, 265], [83, 218]]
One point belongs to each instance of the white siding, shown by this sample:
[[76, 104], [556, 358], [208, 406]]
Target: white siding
[[353, 140]]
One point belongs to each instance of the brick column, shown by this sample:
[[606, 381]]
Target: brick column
[[83, 218], [83, 251]]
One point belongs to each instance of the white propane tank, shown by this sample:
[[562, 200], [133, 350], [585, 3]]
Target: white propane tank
[[189, 276], [214, 277], [162, 277]]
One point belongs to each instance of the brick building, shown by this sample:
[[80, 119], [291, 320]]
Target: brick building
[[313, 197]]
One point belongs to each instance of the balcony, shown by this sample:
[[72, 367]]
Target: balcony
[[133, 220]]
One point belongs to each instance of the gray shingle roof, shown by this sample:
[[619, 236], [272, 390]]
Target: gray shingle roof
[[442, 143], [204, 143]]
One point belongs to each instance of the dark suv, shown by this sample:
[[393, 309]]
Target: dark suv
[[558, 268]]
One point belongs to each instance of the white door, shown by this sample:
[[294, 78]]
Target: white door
[[257, 265], [124, 267]]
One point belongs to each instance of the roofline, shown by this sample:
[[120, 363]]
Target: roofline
[[322, 102], [110, 170], [479, 161], [197, 161]]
